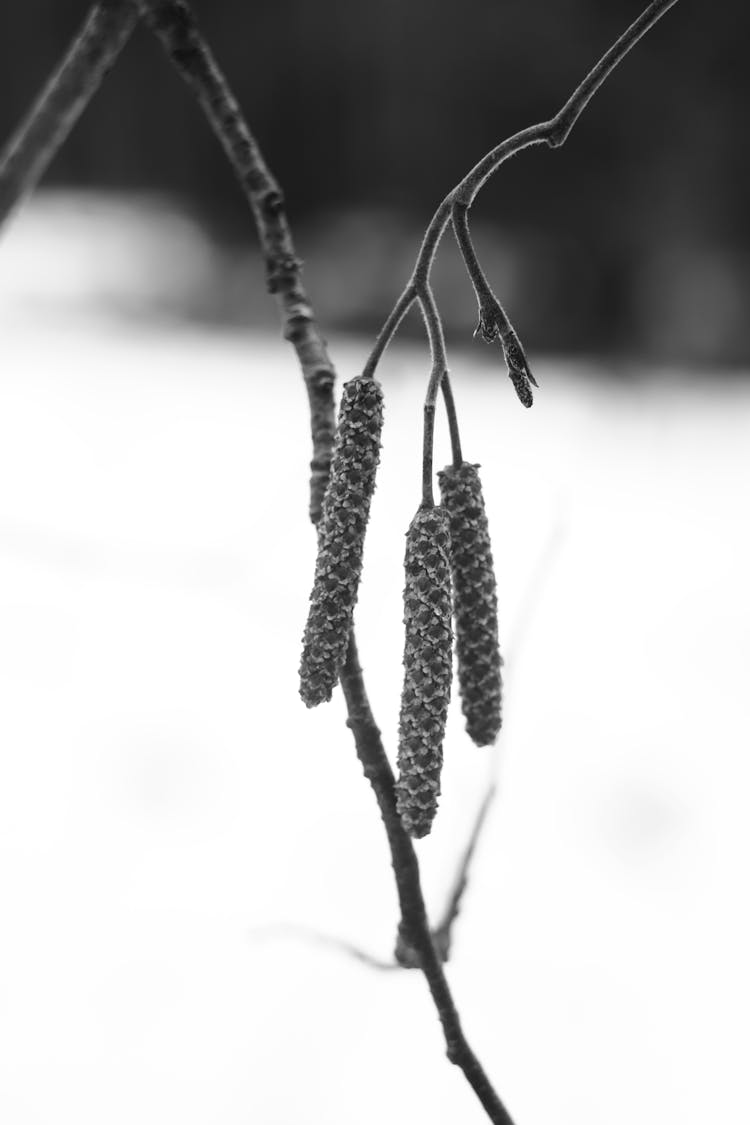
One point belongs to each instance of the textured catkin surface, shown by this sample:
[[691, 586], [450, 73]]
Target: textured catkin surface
[[341, 534], [428, 667], [475, 602]]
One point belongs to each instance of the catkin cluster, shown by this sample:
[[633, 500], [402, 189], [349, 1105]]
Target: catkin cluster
[[475, 602], [428, 666], [341, 534]]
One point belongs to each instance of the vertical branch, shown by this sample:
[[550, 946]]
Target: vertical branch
[[175, 26], [389, 329], [69, 90], [414, 928], [443, 932], [173, 22]]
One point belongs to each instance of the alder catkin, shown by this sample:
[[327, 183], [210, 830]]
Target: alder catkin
[[341, 534], [428, 667], [475, 602]]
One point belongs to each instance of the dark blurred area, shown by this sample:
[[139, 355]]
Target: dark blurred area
[[633, 238]]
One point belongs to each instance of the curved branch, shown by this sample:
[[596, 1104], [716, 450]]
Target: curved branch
[[493, 320], [329, 941], [173, 23], [443, 932], [414, 925], [553, 133]]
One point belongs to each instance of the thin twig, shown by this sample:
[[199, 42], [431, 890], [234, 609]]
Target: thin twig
[[439, 372], [317, 937], [388, 331], [493, 320], [444, 930], [23, 162], [94, 49], [439, 378], [443, 933], [556, 131], [414, 924], [553, 133], [173, 22], [450, 410], [175, 26]]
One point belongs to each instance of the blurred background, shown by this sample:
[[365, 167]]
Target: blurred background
[[173, 821], [632, 239]]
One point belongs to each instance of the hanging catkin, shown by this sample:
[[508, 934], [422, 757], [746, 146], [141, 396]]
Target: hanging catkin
[[475, 602], [428, 667], [341, 534]]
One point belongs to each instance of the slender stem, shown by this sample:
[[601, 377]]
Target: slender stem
[[173, 22], [438, 379], [414, 922], [450, 410], [93, 51], [439, 374], [317, 937], [389, 329], [553, 133], [431, 241], [443, 932], [428, 440], [566, 118], [556, 131], [493, 320], [491, 312], [175, 26]]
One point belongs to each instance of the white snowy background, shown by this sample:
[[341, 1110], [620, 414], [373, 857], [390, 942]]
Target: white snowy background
[[169, 810]]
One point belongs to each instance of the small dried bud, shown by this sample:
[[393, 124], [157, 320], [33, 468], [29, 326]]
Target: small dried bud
[[428, 668], [494, 324], [475, 602], [518, 366], [341, 534]]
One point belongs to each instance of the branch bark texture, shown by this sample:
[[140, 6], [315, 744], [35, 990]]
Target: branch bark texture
[[175, 26], [415, 928]]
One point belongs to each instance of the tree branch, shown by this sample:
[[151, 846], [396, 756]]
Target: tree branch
[[493, 320], [96, 46], [317, 937], [443, 932], [414, 925], [438, 376], [553, 133], [175, 26]]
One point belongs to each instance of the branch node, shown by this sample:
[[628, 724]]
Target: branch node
[[282, 270], [271, 203]]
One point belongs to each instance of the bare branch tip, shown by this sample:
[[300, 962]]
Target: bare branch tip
[[522, 387]]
